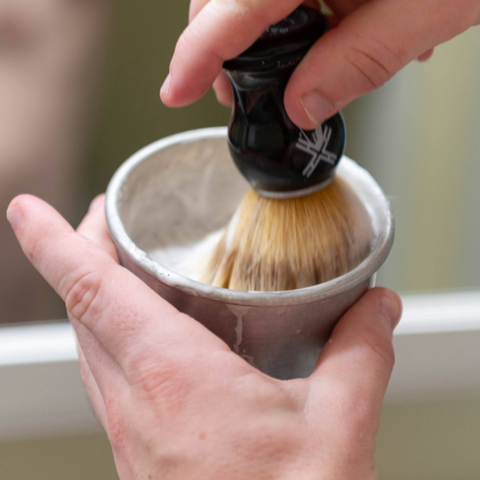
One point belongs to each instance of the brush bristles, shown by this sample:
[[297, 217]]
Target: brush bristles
[[274, 245]]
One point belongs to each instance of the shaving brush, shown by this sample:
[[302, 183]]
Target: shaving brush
[[299, 225]]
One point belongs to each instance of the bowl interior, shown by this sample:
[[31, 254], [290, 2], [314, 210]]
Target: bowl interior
[[177, 191], [180, 194]]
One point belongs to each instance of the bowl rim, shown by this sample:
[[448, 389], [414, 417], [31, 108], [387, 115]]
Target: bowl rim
[[378, 206]]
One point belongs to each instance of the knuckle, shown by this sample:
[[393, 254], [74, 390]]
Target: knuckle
[[187, 39], [376, 63], [37, 249], [165, 381], [256, 13], [252, 8], [269, 443], [193, 39], [240, 7], [265, 395], [82, 295]]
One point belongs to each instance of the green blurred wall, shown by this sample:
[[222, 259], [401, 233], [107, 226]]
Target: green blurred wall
[[430, 441], [418, 136], [130, 114], [86, 457]]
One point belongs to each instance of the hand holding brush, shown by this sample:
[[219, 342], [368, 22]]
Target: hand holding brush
[[372, 41], [299, 226]]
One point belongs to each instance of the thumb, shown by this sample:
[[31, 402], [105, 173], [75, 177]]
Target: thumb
[[367, 48], [358, 360]]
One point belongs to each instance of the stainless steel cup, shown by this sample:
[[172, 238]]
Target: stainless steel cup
[[176, 191]]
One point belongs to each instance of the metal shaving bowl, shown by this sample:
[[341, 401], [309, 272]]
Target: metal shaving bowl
[[178, 190]]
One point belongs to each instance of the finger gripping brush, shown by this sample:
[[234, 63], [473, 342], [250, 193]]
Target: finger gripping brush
[[279, 159], [298, 226]]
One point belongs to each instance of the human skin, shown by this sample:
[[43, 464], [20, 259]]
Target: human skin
[[370, 42], [176, 402]]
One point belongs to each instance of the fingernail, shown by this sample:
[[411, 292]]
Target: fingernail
[[14, 216], [316, 107], [391, 308], [425, 56], [96, 204], [166, 86]]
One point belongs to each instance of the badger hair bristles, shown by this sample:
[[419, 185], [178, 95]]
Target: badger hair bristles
[[275, 245]]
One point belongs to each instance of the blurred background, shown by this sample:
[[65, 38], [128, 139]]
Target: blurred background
[[79, 83]]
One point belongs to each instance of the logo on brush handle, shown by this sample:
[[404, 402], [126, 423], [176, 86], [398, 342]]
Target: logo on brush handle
[[316, 147], [275, 156]]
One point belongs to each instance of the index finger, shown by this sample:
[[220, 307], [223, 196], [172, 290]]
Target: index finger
[[196, 6], [124, 315], [222, 30], [94, 227]]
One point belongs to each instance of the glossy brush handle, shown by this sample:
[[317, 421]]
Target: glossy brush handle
[[277, 158]]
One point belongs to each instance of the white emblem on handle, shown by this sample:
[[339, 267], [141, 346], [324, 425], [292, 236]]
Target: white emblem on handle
[[316, 148]]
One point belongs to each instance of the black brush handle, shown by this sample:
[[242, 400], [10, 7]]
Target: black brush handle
[[276, 157]]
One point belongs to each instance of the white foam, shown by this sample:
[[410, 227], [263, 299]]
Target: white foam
[[189, 260]]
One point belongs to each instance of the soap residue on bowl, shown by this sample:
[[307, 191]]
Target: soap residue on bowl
[[191, 259]]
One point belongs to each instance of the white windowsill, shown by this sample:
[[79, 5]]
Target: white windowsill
[[437, 346]]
